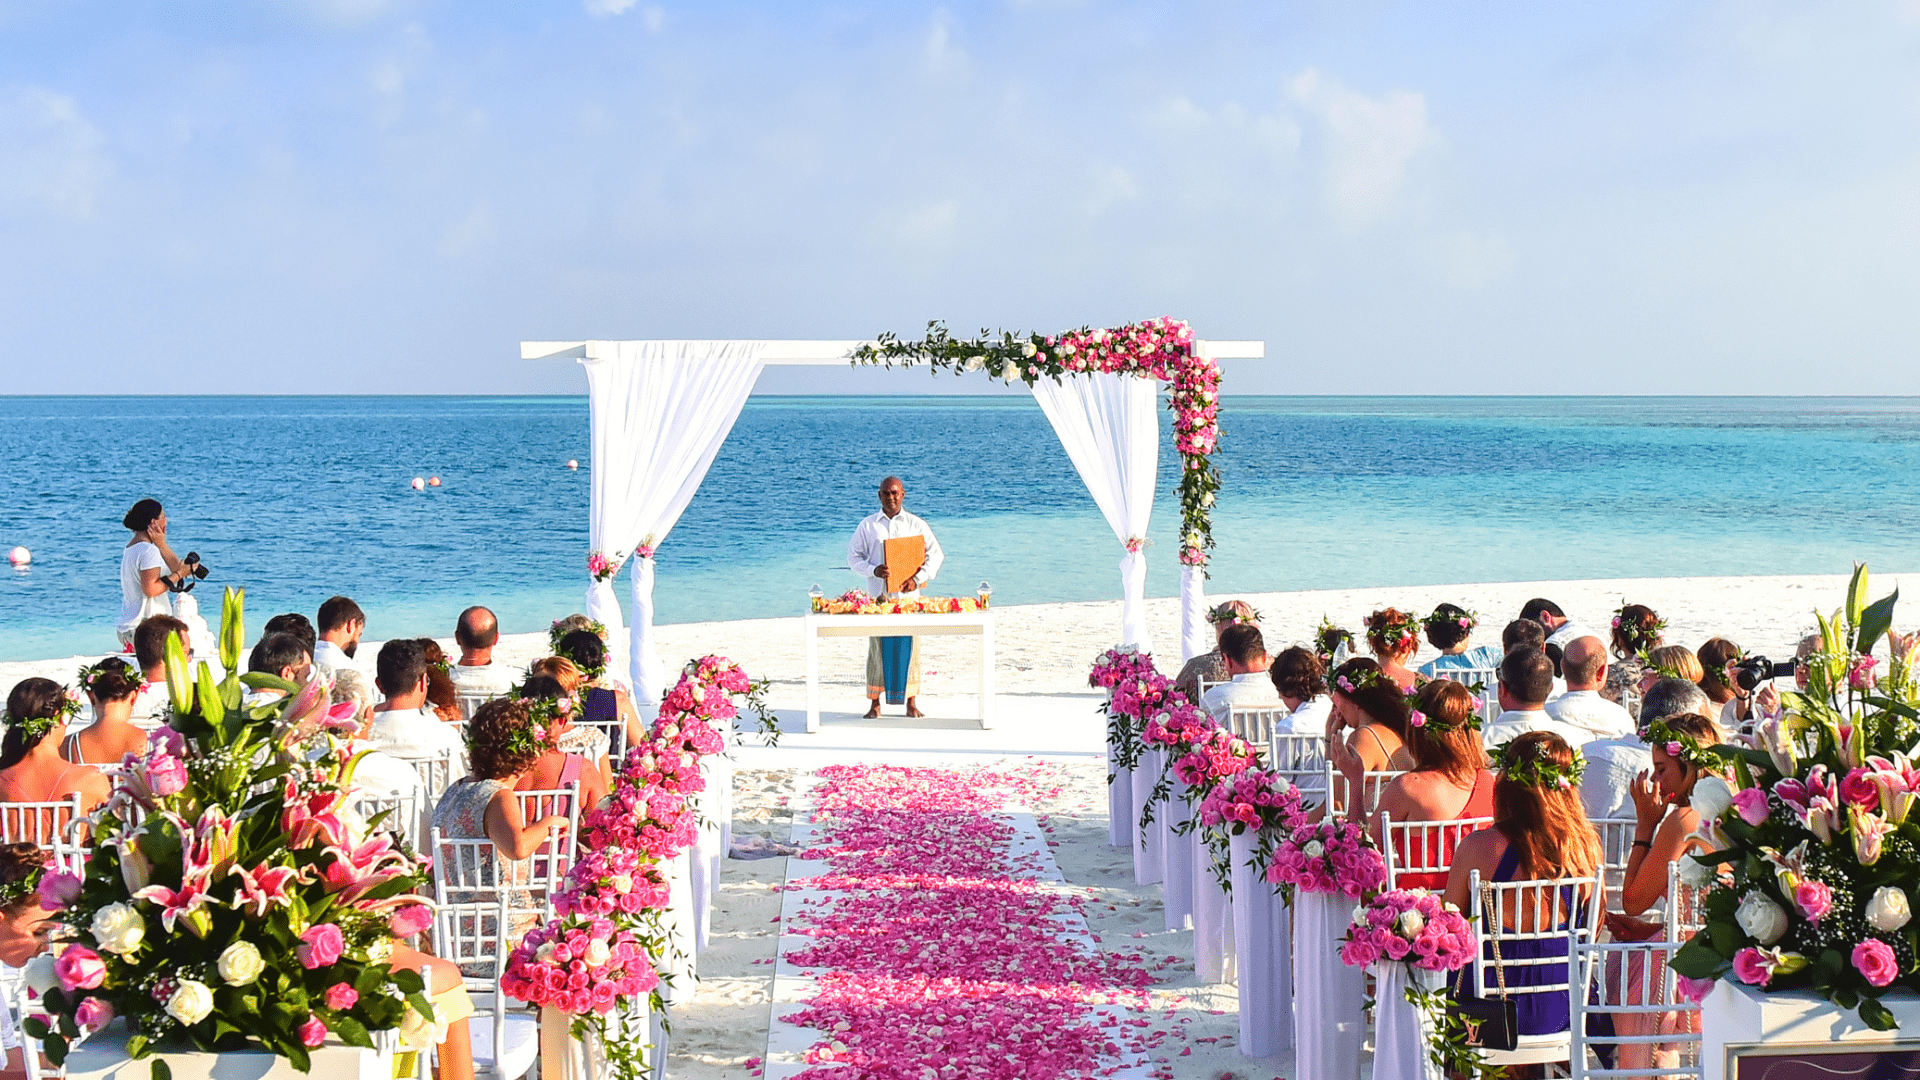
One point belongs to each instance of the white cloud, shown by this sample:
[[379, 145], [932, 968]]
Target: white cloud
[[50, 155], [601, 9], [928, 226], [470, 233], [1369, 142], [1112, 185], [940, 58]]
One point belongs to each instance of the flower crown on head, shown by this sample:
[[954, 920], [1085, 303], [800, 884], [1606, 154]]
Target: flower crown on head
[[1404, 630], [13, 892], [1361, 679], [93, 673], [1227, 616], [561, 628], [1681, 747], [1643, 636], [1537, 771], [35, 728], [538, 734], [1434, 724], [443, 666], [1465, 622], [1328, 638], [1645, 655]]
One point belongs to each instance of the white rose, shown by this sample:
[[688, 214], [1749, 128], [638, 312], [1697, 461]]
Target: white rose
[[1711, 797], [191, 1003], [419, 1033], [1313, 849], [1410, 923], [1888, 910], [544, 953], [1692, 873], [1359, 915], [597, 954], [623, 883], [39, 974], [119, 928], [1762, 919], [240, 963]]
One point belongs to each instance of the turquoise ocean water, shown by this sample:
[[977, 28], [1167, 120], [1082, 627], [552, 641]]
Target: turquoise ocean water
[[298, 498]]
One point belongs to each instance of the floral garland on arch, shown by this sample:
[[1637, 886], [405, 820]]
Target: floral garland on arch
[[1158, 349]]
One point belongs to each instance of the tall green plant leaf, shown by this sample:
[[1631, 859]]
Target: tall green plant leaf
[[1876, 621], [1857, 595]]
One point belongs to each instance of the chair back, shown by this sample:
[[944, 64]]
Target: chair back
[[437, 771], [1204, 686], [1552, 916], [406, 812], [1302, 759], [1371, 785], [557, 852], [1650, 1030], [615, 731], [470, 703], [51, 825], [1423, 847], [1256, 725], [1686, 914], [1483, 682], [1616, 847]]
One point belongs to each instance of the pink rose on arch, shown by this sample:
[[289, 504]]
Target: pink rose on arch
[[1813, 898], [340, 996], [312, 1033], [320, 946], [1751, 804], [79, 968], [1752, 967], [1875, 961]]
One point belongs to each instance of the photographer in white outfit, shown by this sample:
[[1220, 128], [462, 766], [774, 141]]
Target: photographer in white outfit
[[148, 568]]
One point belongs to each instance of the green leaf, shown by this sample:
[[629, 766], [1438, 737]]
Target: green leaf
[[1877, 1016], [1697, 960], [1857, 595], [1877, 620], [35, 1027], [407, 979], [161, 1070], [55, 1048], [208, 696], [351, 1031], [137, 1047], [260, 680]]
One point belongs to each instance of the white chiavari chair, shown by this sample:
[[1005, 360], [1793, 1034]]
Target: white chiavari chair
[[1371, 785], [470, 702], [1616, 847], [1649, 1030], [1302, 759], [1206, 685], [407, 813], [473, 936], [1557, 917], [557, 852], [1423, 850], [437, 771], [54, 825], [1484, 682], [1255, 725]]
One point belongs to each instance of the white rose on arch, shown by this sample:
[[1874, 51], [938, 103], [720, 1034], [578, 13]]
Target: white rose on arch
[[1888, 910]]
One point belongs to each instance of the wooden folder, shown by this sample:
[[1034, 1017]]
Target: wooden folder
[[905, 557]]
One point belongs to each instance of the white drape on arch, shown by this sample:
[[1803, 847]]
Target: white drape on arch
[[660, 410], [1109, 426]]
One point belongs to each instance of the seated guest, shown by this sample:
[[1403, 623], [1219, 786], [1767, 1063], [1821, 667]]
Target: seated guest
[[443, 700], [341, 623], [402, 724], [283, 655], [1366, 727], [1394, 636], [154, 704], [1449, 780], [1332, 644], [1636, 631], [556, 768], [587, 740], [1526, 681], [1526, 632], [1538, 834], [601, 701], [1612, 764], [1301, 681], [1559, 628], [25, 926], [1585, 665], [1671, 662], [1450, 629], [292, 623], [111, 685], [476, 673], [31, 769], [1250, 687], [1211, 667]]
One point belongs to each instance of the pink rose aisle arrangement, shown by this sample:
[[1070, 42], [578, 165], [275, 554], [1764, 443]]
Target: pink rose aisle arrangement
[[1417, 928], [1816, 844], [1329, 857], [1123, 665], [1249, 799], [231, 900]]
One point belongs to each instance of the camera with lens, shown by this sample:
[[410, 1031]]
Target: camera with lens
[[1752, 671], [192, 572]]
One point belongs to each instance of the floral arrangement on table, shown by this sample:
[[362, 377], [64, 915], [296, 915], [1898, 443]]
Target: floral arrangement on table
[[1158, 349], [1417, 928], [597, 954], [1328, 857], [231, 900], [1815, 845], [860, 602]]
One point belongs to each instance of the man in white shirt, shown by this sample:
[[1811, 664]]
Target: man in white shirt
[[1526, 678], [401, 724], [475, 673], [1606, 789], [282, 654], [154, 705], [1248, 685], [893, 663], [341, 623], [1585, 665]]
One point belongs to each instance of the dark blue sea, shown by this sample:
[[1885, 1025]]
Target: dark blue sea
[[299, 498]]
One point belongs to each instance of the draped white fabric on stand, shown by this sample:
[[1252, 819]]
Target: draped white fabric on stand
[[1263, 957], [1110, 428], [1196, 637], [1401, 1032], [660, 410]]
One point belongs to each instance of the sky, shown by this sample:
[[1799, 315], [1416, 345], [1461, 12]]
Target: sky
[[387, 196]]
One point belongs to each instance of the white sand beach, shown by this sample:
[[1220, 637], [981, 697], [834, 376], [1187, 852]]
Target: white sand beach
[[1048, 713]]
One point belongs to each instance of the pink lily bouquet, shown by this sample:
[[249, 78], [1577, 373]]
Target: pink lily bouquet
[[1411, 925], [1328, 857], [1816, 845], [231, 899]]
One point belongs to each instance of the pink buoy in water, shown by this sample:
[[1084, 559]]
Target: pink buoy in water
[[572, 464], [419, 484], [19, 556], [433, 481]]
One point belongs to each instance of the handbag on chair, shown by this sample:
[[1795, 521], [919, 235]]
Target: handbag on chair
[[1491, 1023]]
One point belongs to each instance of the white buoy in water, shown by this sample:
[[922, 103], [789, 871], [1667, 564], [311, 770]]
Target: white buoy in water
[[572, 464], [19, 556], [419, 484], [433, 481]]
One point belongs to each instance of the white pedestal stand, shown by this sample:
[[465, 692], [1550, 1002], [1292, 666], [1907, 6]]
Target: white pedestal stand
[[1263, 956], [1328, 995]]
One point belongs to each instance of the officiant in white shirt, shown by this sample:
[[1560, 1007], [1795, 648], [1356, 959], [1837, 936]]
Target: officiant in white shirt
[[893, 663]]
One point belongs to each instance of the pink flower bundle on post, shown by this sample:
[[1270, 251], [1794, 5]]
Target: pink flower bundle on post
[[1330, 857], [1116, 664], [579, 966], [1411, 925]]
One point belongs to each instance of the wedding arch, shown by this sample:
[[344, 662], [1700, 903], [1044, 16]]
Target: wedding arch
[[659, 411]]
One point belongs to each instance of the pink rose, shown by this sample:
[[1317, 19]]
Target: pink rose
[[1858, 788], [1875, 961], [1694, 990], [166, 775], [410, 920], [320, 946], [93, 1013], [341, 997], [1813, 898], [313, 1032], [1753, 968], [79, 968], [59, 890], [1752, 805]]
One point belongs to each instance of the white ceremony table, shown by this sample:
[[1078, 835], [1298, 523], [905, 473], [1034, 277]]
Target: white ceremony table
[[978, 623]]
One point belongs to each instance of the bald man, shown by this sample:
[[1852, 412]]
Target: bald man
[[1584, 663], [475, 673], [893, 663]]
